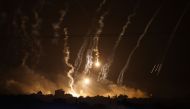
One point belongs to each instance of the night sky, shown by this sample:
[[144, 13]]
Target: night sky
[[43, 50]]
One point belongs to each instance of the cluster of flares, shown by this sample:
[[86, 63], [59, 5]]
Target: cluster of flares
[[82, 86], [90, 79], [105, 69]]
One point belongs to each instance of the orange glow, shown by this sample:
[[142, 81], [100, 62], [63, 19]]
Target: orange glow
[[97, 64], [86, 81]]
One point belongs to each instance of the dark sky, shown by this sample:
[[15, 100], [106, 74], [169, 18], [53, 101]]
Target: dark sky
[[81, 17]]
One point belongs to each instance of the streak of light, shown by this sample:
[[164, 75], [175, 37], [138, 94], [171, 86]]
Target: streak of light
[[97, 35], [121, 74], [172, 36], [67, 57], [105, 69]]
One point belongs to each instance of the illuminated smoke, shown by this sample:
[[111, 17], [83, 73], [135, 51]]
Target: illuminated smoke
[[31, 82], [87, 87], [123, 90], [80, 54], [105, 69], [94, 48], [89, 62], [30, 39], [24, 20], [57, 26], [172, 36], [121, 74], [97, 36], [104, 72], [124, 30], [25, 37], [35, 35], [36, 25], [67, 57], [39, 82], [101, 5]]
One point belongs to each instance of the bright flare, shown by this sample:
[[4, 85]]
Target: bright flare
[[97, 64], [86, 81]]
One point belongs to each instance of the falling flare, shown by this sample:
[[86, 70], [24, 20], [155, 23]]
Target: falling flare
[[86, 81], [121, 74], [94, 48], [105, 69], [97, 35], [172, 36], [67, 57], [97, 63], [80, 54]]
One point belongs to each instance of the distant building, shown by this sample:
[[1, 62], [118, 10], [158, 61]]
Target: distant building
[[59, 92]]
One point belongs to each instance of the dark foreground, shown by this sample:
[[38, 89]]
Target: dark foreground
[[39, 101]]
